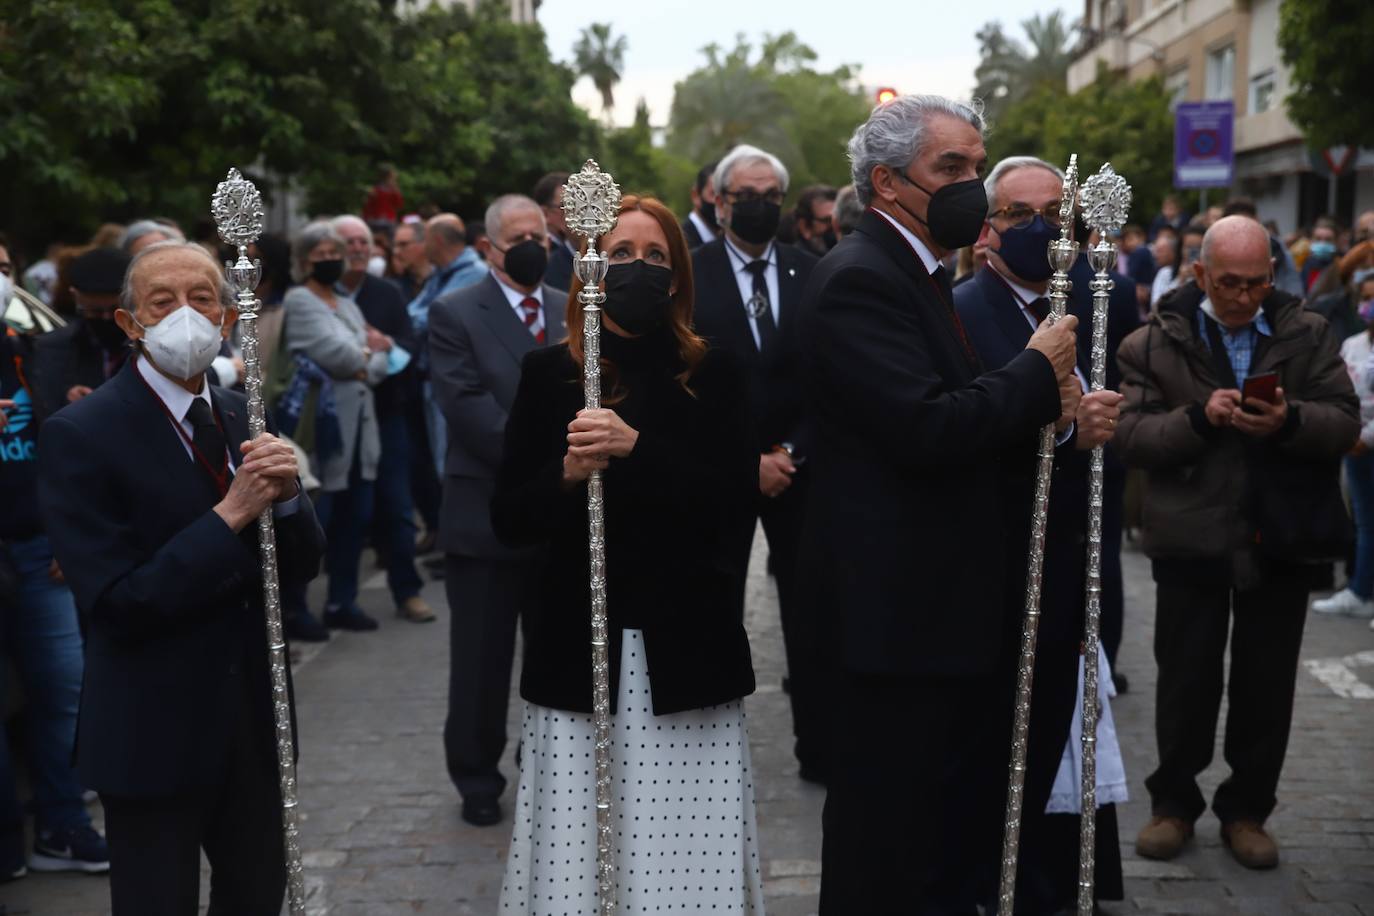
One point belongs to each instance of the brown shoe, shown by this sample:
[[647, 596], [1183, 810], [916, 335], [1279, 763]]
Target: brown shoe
[[415, 610], [1251, 846], [1163, 837]]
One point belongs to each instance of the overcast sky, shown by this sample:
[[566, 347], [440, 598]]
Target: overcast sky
[[914, 46]]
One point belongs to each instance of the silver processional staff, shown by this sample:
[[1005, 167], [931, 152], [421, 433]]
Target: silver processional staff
[[591, 206], [237, 209]]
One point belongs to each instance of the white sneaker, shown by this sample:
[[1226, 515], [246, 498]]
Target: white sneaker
[[1345, 603]]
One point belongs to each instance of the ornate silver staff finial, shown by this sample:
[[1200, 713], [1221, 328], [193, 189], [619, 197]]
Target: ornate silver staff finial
[[1062, 252], [591, 206], [237, 209], [1106, 200]]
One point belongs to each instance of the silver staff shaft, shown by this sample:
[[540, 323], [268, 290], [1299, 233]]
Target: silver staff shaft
[[1061, 254], [237, 209], [591, 204], [1106, 199]]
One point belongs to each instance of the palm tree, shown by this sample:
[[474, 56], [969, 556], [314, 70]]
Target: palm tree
[[1007, 70], [597, 56], [727, 102]]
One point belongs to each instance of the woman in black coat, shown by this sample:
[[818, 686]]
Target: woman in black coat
[[680, 471]]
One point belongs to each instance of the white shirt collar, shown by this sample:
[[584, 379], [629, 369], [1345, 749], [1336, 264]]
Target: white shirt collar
[[929, 260], [707, 233], [514, 296], [742, 260], [177, 399]]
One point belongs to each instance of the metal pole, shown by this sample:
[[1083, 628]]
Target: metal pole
[[591, 204], [237, 208], [1062, 253], [1106, 202]]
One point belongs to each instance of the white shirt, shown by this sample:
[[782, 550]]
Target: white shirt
[[929, 260], [178, 401], [745, 279], [1164, 281], [707, 233], [515, 297]]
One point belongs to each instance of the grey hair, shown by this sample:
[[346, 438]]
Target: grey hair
[[305, 242], [895, 134], [138, 230], [848, 210], [126, 290], [348, 218], [503, 205], [744, 154], [1011, 164]]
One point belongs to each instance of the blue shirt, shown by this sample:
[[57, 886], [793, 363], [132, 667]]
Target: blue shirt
[[1239, 342], [464, 270]]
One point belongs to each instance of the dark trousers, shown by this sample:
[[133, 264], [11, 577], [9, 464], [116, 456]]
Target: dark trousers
[[425, 489], [898, 838], [155, 843], [485, 597], [1191, 622], [782, 523], [394, 512], [1113, 585]]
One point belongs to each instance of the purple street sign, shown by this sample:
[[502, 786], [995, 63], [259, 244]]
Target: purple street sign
[[1203, 156]]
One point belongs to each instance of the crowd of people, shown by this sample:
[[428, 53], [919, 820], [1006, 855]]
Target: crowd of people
[[864, 373]]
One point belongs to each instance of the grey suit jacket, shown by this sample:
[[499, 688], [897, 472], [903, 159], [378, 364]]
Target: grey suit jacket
[[476, 345]]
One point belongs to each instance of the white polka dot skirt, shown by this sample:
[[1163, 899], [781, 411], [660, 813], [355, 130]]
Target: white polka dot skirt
[[686, 839]]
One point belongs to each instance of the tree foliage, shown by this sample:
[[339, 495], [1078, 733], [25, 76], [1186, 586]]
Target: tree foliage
[[111, 110], [596, 56], [1008, 71], [1112, 119], [1326, 43], [777, 101]]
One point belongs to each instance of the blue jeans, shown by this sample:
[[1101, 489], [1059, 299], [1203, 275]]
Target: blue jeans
[[1359, 472], [40, 632], [345, 516], [395, 512]]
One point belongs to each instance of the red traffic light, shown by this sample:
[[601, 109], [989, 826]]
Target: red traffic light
[[886, 94]]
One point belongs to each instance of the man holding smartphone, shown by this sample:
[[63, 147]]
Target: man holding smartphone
[[1239, 408]]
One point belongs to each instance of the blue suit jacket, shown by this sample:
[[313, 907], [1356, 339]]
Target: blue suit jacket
[[171, 598]]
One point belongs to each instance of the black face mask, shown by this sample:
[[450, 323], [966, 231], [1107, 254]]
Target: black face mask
[[327, 273], [638, 296], [105, 332], [525, 262], [755, 221], [708, 213], [955, 214]]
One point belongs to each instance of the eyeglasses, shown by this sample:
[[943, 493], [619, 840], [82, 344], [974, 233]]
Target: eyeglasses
[[748, 196], [1019, 216], [1234, 286]]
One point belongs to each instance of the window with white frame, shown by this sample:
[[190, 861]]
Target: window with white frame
[[1263, 87], [1221, 73]]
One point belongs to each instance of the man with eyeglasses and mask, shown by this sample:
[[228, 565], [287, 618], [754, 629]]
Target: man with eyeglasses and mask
[[69, 363], [1000, 308], [748, 290], [1239, 408], [902, 547], [478, 337]]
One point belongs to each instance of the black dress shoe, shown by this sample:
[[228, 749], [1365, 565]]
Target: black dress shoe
[[303, 627], [482, 810], [1120, 682], [348, 619]]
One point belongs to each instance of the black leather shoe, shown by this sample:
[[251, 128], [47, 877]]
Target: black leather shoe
[[482, 810], [303, 627], [1121, 684], [348, 619]]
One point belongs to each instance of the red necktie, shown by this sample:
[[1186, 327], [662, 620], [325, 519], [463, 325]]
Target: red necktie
[[531, 307]]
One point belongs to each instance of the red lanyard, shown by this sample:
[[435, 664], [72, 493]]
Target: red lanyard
[[221, 478]]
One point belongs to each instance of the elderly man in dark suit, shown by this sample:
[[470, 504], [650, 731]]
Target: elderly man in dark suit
[[150, 490], [477, 338], [1000, 308], [701, 225], [901, 547], [749, 288]]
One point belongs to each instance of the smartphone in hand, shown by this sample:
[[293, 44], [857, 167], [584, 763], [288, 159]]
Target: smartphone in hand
[[1264, 387]]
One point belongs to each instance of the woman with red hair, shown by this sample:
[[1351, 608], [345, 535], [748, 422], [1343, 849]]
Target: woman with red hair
[[678, 460]]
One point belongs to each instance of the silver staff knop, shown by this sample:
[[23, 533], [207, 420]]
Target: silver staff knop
[[591, 205], [1106, 201], [237, 209], [1062, 253]]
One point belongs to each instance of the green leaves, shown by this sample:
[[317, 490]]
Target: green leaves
[[1326, 43]]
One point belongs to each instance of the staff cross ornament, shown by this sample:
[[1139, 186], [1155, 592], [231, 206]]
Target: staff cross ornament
[[1106, 200]]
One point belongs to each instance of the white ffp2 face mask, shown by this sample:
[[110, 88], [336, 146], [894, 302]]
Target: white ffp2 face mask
[[183, 344]]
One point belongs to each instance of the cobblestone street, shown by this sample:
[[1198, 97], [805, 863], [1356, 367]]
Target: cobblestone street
[[383, 835]]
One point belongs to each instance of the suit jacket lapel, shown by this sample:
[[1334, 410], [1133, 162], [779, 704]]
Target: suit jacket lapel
[[789, 287], [235, 424], [555, 328], [151, 430], [723, 271], [1006, 310], [497, 314]]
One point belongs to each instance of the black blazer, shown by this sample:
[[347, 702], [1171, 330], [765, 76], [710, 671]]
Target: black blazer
[[900, 540], [694, 239], [669, 505], [777, 397], [381, 303], [559, 273], [171, 598], [60, 359]]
